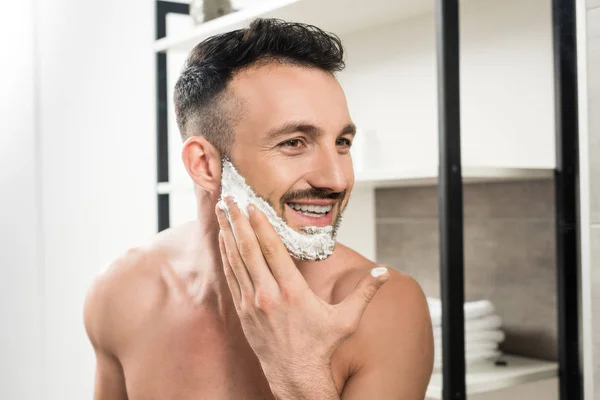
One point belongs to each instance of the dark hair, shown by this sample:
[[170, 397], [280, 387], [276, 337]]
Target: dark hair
[[201, 104]]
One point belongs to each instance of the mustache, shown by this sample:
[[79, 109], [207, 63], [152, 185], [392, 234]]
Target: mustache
[[312, 193]]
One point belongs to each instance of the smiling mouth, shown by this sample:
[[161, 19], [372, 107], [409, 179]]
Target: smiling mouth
[[311, 210]]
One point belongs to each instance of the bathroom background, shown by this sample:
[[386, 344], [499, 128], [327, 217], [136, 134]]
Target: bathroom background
[[78, 176]]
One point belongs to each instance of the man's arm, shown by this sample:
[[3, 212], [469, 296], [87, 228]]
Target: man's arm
[[99, 322], [395, 345], [292, 331], [393, 350], [110, 382], [303, 384]]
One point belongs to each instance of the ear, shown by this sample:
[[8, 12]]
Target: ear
[[202, 161]]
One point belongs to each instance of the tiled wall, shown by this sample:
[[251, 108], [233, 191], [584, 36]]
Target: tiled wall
[[509, 252], [595, 262], [593, 79]]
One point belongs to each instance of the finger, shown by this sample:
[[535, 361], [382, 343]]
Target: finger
[[234, 286], [356, 303], [233, 256], [274, 251], [249, 248]]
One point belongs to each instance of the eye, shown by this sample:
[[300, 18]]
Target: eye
[[292, 143], [343, 142]]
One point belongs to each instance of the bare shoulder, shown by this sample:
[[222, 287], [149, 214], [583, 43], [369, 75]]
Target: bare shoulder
[[121, 298], [398, 303], [400, 291], [400, 298], [394, 341]]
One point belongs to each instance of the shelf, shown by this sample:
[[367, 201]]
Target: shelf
[[429, 176], [487, 377], [338, 16], [420, 177]]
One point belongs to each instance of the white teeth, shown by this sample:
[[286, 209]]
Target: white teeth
[[309, 214], [311, 208]]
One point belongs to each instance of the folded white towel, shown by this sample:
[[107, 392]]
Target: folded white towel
[[496, 336], [472, 310], [480, 324]]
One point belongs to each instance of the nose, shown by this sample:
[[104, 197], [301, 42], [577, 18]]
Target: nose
[[328, 172]]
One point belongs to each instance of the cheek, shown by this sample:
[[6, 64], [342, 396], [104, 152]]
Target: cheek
[[271, 184], [349, 173], [272, 177]]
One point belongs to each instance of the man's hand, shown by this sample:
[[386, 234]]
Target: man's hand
[[292, 331]]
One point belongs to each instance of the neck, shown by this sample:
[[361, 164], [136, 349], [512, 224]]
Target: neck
[[211, 287], [320, 275]]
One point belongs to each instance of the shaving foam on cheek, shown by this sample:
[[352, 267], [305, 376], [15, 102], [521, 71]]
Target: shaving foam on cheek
[[314, 243]]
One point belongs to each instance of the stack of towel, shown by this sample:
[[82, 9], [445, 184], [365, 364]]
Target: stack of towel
[[483, 331]]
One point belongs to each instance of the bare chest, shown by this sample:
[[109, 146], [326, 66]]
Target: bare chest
[[193, 360]]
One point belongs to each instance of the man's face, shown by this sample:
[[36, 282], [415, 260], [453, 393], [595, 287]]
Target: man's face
[[292, 142]]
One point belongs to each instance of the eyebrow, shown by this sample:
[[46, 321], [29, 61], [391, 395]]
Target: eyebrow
[[306, 128]]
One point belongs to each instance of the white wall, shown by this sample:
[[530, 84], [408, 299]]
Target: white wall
[[77, 177], [20, 300], [182, 203], [587, 57], [391, 85], [97, 130], [506, 76]]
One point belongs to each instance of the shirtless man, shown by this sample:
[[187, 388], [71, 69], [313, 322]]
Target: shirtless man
[[221, 311]]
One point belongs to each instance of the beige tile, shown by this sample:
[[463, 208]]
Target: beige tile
[[593, 67], [596, 375], [593, 54], [412, 248], [595, 283], [596, 363], [594, 157], [510, 262], [593, 24], [412, 202], [530, 199], [595, 269]]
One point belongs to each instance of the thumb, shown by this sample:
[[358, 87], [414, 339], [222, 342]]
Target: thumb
[[356, 303]]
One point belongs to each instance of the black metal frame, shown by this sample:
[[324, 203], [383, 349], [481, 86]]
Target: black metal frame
[[566, 178], [450, 188], [450, 202], [162, 128], [566, 196]]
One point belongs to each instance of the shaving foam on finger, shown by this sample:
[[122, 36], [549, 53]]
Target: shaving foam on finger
[[313, 243]]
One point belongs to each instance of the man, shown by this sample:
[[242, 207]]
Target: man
[[220, 310]]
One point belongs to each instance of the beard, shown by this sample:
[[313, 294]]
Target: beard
[[313, 243]]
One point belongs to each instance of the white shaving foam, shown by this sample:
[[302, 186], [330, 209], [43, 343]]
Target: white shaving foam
[[314, 243]]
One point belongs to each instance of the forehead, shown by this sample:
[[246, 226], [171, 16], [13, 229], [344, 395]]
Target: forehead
[[276, 93]]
